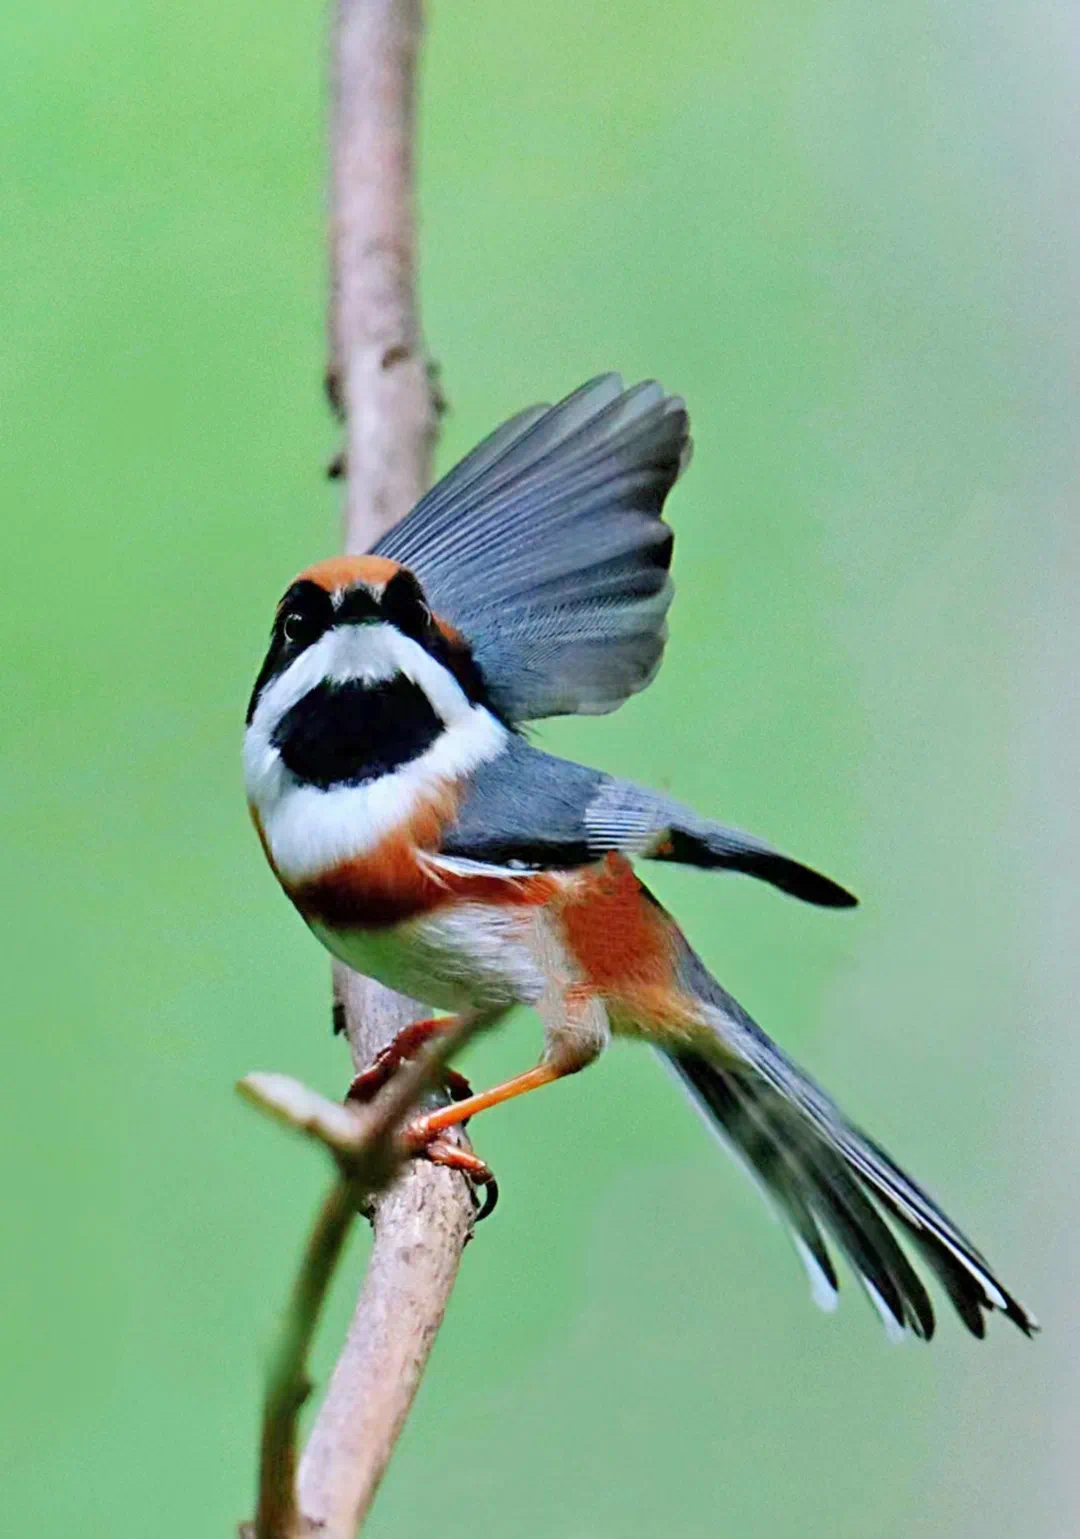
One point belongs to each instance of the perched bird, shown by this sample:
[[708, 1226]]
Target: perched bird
[[427, 843]]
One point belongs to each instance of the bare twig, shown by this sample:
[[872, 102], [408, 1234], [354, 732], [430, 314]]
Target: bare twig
[[367, 1152], [422, 1222], [287, 1385], [381, 386], [377, 374], [380, 382]]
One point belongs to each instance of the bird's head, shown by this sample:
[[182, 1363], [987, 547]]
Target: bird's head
[[362, 683]]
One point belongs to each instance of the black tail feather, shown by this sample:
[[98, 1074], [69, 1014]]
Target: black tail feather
[[870, 1245], [769, 1162], [807, 1182], [821, 1172]]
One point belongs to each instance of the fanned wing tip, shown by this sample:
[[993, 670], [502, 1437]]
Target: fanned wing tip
[[545, 547], [699, 843], [800, 881]]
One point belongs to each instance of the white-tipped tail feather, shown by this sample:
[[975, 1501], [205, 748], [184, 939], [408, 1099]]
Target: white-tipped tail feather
[[822, 1174]]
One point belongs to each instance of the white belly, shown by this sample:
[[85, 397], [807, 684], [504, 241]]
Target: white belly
[[466, 956]]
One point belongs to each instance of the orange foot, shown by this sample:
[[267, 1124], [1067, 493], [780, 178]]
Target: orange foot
[[408, 1042], [441, 1151]]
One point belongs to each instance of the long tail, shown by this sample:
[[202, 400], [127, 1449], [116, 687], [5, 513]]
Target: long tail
[[821, 1172]]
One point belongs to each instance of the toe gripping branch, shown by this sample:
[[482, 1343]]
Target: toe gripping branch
[[427, 1143]]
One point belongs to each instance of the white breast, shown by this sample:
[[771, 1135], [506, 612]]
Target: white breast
[[464, 956], [310, 830]]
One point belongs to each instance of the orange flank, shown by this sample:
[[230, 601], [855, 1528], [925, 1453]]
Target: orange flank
[[343, 571], [624, 943]]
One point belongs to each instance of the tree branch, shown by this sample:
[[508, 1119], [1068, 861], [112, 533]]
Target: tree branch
[[377, 376], [379, 381], [421, 1229], [384, 1351]]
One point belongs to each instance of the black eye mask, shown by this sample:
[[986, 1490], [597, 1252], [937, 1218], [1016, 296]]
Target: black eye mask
[[404, 606], [303, 615], [307, 612]]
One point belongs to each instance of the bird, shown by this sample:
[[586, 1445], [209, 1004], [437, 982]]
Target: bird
[[426, 841]]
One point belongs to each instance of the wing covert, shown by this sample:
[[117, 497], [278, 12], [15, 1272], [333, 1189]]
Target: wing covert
[[527, 808]]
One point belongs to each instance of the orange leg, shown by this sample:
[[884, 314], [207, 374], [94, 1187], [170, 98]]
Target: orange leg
[[407, 1044], [424, 1129]]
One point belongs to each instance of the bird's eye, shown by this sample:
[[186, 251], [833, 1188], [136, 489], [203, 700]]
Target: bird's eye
[[404, 605], [295, 626], [302, 616]]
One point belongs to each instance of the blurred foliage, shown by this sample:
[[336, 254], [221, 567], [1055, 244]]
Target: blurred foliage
[[843, 231]]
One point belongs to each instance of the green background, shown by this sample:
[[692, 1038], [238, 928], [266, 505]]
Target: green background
[[846, 232]]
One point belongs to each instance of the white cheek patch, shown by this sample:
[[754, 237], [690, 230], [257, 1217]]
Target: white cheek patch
[[310, 830]]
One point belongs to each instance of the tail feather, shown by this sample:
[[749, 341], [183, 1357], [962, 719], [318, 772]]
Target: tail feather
[[752, 1141], [870, 1245], [807, 1182], [822, 1173]]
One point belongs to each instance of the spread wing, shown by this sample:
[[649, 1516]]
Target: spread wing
[[545, 547], [527, 809]]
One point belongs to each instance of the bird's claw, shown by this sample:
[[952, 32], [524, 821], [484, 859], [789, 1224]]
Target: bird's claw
[[441, 1150], [382, 1068], [366, 1085], [418, 1138]]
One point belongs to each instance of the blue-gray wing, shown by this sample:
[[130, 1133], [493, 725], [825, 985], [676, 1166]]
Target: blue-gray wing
[[528, 810], [545, 547]]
